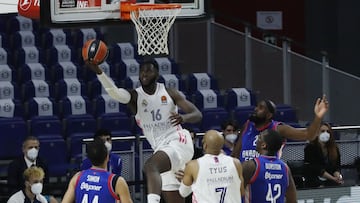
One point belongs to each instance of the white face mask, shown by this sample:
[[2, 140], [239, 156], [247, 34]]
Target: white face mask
[[324, 137], [32, 153], [231, 138], [36, 188], [108, 146]]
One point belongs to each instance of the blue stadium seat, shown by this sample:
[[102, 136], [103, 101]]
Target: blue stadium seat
[[104, 104], [173, 81], [65, 70], [41, 107], [109, 69], [75, 106], [167, 66], [33, 71], [213, 118], [7, 74], [20, 23], [9, 90], [132, 82], [4, 41], [36, 88], [11, 108], [5, 57], [201, 81], [46, 127], [54, 37], [118, 123], [60, 53], [242, 114], [82, 35], [25, 55], [24, 39], [13, 133], [55, 154], [285, 113], [122, 51], [76, 144], [128, 68], [204, 99], [70, 87], [236, 97]]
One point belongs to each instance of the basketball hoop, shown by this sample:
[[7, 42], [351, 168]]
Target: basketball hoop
[[152, 23]]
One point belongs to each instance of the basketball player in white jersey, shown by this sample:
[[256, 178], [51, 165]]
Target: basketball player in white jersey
[[214, 177], [156, 112]]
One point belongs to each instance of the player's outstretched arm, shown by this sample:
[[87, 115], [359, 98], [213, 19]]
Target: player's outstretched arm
[[310, 133], [122, 189], [119, 94]]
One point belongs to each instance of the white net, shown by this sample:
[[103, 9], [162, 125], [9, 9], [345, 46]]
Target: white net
[[153, 26]]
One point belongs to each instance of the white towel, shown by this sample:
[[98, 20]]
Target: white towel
[[45, 106], [78, 105], [69, 69], [132, 67], [3, 55], [6, 90], [210, 98], [243, 96], [73, 86], [203, 81], [164, 65], [41, 88], [37, 71], [31, 54], [5, 73], [7, 108]]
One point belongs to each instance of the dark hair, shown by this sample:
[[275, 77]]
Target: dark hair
[[229, 122], [273, 141], [330, 145], [150, 61], [96, 152], [102, 132], [271, 106]]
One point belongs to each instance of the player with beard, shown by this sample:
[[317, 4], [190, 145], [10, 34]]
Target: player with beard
[[156, 112], [262, 119]]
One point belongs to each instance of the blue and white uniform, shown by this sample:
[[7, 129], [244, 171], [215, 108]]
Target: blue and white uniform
[[95, 185], [249, 137], [269, 182]]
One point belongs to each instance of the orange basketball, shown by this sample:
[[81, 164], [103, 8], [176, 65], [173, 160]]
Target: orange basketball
[[95, 51]]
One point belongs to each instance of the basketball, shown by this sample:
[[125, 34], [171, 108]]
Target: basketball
[[95, 51]]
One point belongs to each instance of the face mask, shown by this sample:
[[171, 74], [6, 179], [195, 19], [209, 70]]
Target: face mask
[[231, 138], [108, 146], [36, 188], [324, 137], [32, 153]]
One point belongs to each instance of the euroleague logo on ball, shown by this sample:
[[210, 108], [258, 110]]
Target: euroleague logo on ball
[[26, 4]]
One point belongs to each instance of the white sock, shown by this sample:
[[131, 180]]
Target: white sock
[[153, 198]]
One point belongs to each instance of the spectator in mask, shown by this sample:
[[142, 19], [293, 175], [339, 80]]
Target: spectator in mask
[[115, 163], [322, 160], [33, 182], [30, 149], [229, 129]]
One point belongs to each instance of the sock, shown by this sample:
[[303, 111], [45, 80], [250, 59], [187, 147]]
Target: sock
[[153, 198]]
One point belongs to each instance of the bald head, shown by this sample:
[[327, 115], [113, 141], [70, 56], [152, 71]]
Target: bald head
[[213, 142]]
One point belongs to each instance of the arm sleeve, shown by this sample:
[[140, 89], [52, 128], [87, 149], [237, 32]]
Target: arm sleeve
[[184, 190], [119, 94]]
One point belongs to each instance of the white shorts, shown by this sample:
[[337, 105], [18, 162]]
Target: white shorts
[[179, 152]]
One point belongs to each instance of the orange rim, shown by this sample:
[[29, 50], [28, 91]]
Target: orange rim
[[126, 7]]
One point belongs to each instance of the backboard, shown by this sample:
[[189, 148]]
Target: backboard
[[81, 12]]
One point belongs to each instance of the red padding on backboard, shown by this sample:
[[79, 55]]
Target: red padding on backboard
[[29, 8]]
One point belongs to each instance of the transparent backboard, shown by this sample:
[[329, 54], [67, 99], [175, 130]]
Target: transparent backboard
[[86, 11]]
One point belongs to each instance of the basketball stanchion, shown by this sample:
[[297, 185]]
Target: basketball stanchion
[[152, 23]]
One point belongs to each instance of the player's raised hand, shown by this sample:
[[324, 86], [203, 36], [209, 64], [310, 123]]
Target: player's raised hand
[[321, 106], [176, 119], [94, 67]]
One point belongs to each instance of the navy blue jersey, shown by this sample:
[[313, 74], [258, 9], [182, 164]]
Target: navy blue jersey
[[95, 185], [249, 137], [269, 182]]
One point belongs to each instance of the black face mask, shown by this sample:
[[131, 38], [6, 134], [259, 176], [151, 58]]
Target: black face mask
[[256, 119]]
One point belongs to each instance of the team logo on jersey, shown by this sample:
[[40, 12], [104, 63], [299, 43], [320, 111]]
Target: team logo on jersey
[[144, 103], [163, 100]]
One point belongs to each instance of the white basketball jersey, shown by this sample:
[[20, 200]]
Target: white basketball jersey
[[153, 113], [217, 180]]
